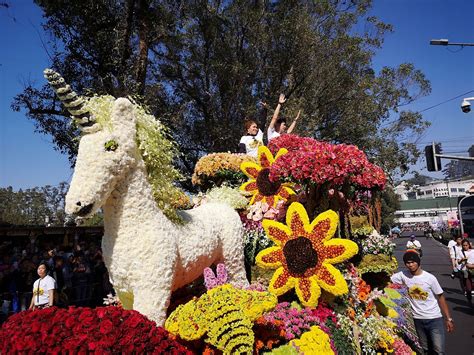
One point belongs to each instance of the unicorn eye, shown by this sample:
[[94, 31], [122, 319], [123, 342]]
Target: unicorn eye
[[111, 145]]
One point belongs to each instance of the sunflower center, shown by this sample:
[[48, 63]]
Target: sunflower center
[[300, 255], [265, 186]]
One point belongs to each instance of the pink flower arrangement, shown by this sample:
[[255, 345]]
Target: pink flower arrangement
[[401, 348], [85, 330], [295, 321], [309, 160]]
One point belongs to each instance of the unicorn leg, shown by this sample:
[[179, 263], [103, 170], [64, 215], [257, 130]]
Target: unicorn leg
[[153, 304], [233, 253], [152, 295]]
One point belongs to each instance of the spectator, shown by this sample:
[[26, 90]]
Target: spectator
[[43, 289], [454, 253], [427, 302], [465, 257], [415, 245], [80, 280], [20, 259]]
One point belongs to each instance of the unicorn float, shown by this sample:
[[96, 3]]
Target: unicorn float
[[147, 254]]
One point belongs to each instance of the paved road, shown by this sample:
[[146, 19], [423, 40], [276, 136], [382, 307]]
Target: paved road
[[436, 261]]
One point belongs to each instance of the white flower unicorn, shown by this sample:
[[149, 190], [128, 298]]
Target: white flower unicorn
[[147, 255]]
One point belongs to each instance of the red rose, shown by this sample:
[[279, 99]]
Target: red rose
[[106, 326]]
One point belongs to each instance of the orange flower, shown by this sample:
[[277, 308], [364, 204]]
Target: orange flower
[[369, 308], [351, 313], [304, 255], [363, 295], [259, 185]]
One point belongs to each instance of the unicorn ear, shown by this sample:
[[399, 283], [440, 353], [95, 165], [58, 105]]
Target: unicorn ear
[[123, 119]]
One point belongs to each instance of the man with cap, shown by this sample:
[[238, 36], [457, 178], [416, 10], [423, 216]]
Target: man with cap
[[414, 245], [427, 302]]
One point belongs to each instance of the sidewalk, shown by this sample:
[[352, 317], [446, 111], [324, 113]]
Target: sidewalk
[[436, 261]]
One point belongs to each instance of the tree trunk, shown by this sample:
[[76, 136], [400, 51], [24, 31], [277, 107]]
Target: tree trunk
[[143, 45]]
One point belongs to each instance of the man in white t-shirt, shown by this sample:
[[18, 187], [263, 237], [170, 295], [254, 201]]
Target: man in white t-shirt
[[427, 302], [43, 289], [464, 260], [414, 244], [455, 253]]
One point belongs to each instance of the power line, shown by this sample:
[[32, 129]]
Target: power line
[[454, 98]]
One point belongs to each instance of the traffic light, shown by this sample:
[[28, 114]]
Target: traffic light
[[433, 163]]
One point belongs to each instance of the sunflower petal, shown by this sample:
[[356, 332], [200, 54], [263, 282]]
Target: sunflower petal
[[297, 218], [331, 280], [308, 291], [281, 282], [256, 198], [285, 192], [270, 258], [271, 200], [250, 169], [281, 152], [337, 250], [324, 225], [276, 231], [249, 186], [265, 157]]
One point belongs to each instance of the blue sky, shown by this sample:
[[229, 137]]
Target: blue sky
[[28, 159]]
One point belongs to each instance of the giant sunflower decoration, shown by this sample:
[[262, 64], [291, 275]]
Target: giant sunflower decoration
[[304, 255], [259, 184]]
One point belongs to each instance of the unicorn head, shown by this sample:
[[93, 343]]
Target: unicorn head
[[107, 150], [104, 157]]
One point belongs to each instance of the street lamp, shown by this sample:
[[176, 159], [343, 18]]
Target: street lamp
[[466, 105], [445, 42]]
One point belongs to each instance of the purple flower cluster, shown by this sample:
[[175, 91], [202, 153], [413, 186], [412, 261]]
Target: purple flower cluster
[[219, 279]]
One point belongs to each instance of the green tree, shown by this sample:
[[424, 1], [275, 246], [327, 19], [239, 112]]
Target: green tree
[[35, 206], [203, 66], [418, 179], [390, 204]]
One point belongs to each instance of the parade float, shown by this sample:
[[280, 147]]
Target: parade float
[[280, 254]]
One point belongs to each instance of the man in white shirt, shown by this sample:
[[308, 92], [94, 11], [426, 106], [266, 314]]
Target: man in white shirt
[[427, 302], [465, 261], [414, 244], [455, 253]]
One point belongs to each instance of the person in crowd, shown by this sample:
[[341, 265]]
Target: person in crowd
[[278, 125], [465, 257], [454, 252], [80, 279], [427, 303], [27, 277], [428, 233], [253, 139], [452, 241], [415, 245], [43, 289]]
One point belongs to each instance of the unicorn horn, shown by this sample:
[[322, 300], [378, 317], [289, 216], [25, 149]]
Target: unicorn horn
[[74, 103]]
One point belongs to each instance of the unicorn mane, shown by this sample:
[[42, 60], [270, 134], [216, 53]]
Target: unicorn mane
[[157, 151]]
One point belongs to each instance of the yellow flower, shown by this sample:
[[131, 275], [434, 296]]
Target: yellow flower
[[225, 314], [385, 341], [315, 341], [304, 255], [259, 184], [212, 164]]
